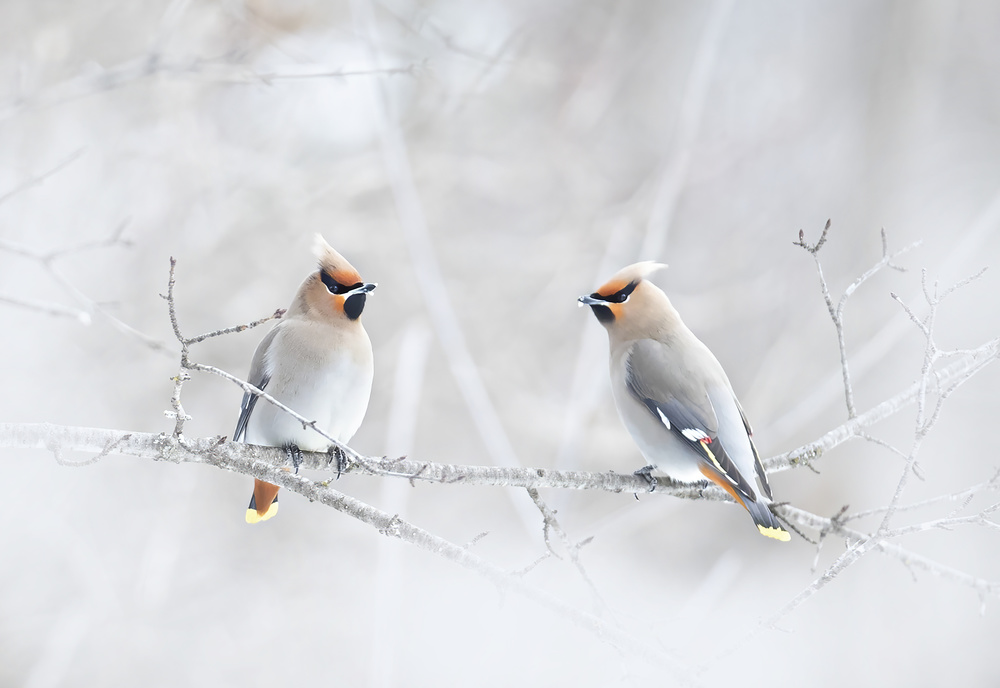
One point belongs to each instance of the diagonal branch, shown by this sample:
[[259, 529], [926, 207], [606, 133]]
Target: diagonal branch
[[837, 311], [48, 259], [48, 307], [957, 372], [911, 559], [266, 463]]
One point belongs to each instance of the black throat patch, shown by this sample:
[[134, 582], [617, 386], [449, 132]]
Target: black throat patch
[[603, 313], [353, 305]]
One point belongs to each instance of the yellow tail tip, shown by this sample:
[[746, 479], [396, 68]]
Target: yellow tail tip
[[776, 533], [254, 517]]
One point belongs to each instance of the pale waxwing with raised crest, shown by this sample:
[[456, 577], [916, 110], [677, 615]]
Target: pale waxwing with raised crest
[[674, 397], [317, 360]]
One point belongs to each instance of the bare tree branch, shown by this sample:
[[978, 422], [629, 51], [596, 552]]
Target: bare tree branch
[[837, 312], [944, 382], [182, 376], [48, 308], [929, 374], [957, 372], [47, 259], [216, 70], [914, 561], [269, 463], [572, 549], [968, 240], [965, 496], [266, 463]]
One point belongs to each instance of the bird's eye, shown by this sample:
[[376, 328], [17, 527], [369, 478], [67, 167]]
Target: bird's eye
[[620, 296], [335, 287]]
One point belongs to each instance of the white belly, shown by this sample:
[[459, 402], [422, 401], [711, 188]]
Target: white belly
[[330, 387]]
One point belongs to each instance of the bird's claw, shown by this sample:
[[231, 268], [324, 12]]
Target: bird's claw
[[646, 474], [337, 454], [294, 455]]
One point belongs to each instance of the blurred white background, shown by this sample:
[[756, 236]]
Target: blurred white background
[[530, 150]]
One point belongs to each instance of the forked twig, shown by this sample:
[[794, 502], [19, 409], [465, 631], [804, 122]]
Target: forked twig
[[837, 311]]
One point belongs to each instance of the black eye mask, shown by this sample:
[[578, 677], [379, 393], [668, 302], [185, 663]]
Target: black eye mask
[[619, 296], [335, 287]]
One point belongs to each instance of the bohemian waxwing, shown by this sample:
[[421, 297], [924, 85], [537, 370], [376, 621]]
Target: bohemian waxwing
[[673, 396], [317, 360]]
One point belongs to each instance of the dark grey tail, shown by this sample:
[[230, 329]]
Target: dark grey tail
[[767, 524]]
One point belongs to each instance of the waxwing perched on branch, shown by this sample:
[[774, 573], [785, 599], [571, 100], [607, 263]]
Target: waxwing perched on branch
[[673, 396], [317, 361]]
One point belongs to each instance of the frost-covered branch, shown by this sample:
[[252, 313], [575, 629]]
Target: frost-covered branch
[[953, 374], [270, 463], [267, 463], [944, 381], [835, 526], [837, 311]]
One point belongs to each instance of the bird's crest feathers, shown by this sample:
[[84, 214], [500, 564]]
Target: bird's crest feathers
[[628, 274], [334, 264]]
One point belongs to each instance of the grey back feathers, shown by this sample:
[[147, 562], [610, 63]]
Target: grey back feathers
[[674, 397]]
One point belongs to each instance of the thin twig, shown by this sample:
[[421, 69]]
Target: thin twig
[[964, 496], [48, 308], [837, 311], [278, 313], [267, 78], [129, 72], [929, 376], [917, 470], [48, 260], [815, 400], [905, 556], [958, 371], [551, 525], [186, 365]]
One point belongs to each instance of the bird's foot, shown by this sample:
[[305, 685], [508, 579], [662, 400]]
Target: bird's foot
[[294, 455], [337, 454], [646, 474]]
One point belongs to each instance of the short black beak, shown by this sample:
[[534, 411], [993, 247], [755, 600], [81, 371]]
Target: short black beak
[[363, 289], [590, 301]]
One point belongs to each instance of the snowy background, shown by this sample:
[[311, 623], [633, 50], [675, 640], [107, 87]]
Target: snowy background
[[486, 163]]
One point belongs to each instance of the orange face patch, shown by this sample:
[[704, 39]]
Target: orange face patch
[[612, 287], [615, 308], [344, 276]]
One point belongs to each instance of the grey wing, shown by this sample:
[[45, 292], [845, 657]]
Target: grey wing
[[758, 466], [656, 377], [259, 377], [681, 402]]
